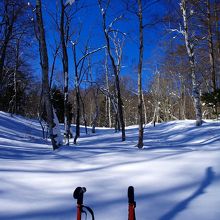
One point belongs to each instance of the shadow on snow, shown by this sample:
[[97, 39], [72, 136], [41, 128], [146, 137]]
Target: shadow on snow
[[181, 206]]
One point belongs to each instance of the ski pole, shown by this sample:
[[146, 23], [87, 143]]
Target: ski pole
[[78, 194], [131, 204]]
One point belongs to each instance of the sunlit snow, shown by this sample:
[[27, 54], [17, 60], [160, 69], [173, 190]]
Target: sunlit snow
[[175, 176]]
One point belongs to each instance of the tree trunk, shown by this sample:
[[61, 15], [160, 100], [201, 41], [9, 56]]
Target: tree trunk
[[217, 17], [45, 81], [84, 114], [77, 134], [211, 47], [140, 64], [156, 115], [145, 108], [183, 102], [13, 102], [190, 50], [95, 116], [217, 12], [108, 100], [7, 33], [116, 74], [66, 74], [77, 88]]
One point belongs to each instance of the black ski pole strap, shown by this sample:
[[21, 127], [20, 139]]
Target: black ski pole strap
[[83, 211], [89, 210]]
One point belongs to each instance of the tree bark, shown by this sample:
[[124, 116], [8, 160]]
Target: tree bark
[[211, 52], [77, 89], [96, 114], [77, 134], [7, 33], [190, 50], [183, 102], [116, 73], [108, 100], [145, 108], [45, 69], [217, 12], [211, 47], [13, 102], [66, 74], [140, 64]]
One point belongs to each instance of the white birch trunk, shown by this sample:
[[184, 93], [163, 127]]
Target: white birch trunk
[[45, 69], [65, 61], [190, 50]]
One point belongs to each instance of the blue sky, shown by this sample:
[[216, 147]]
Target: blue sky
[[90, 20]]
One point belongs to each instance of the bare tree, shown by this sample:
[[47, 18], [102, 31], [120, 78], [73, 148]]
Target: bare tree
[[108, 100], [79, 73], [13, 23], [64, 36], [55, 55], [51, 117], [9, 19], [137, 7], [217, 17], [116, 66], [96, 113], [211, 46], [140, 64], [191, 54], [13, 102]]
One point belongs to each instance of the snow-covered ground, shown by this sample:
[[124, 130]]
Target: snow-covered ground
[[176, 175]]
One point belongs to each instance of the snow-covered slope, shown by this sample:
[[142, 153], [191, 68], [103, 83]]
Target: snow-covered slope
[[176, 175]]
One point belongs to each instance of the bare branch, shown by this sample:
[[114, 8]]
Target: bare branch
[[89, 53]]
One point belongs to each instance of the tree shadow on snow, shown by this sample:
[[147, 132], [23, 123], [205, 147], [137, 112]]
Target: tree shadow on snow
[[181, 206]]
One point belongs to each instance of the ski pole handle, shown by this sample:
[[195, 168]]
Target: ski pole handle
[[131, 204], [78, 194]]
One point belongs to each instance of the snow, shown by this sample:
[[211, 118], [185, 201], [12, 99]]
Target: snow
[[175, 176], [69, 2], [56, 129]]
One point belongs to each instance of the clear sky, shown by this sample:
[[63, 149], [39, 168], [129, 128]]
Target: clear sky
[[89, 20]]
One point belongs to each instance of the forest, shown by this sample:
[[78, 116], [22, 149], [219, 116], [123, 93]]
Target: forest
[[108, 63]]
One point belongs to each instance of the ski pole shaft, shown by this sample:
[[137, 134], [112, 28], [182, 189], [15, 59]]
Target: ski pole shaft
[[131, 204], [78, 213], [78, 195]]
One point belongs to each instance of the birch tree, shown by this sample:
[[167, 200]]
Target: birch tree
[[51, 117], [190, 47], [116, 65], [64, 36]]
